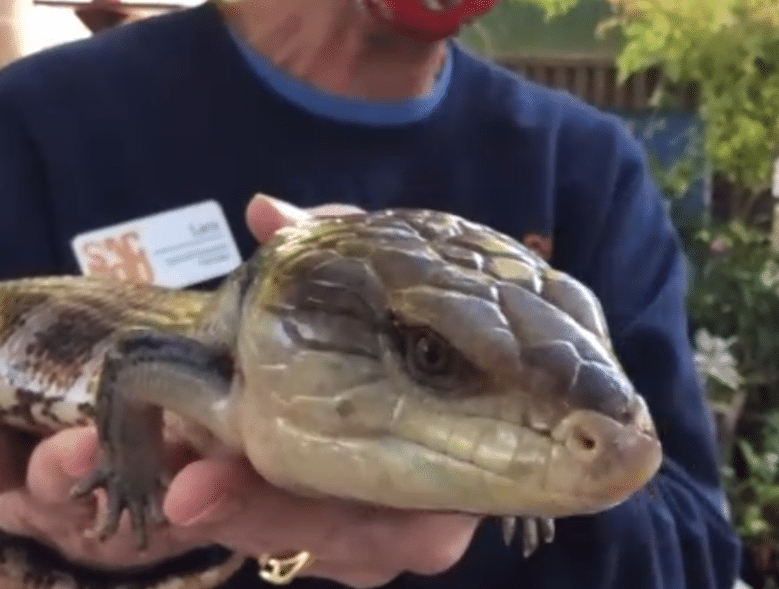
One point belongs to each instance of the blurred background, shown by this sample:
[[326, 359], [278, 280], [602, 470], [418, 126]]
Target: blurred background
[[697, 81]]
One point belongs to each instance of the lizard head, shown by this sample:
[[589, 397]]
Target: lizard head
[[417, 360]]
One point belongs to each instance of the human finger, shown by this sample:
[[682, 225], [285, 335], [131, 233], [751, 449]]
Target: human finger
[[58, 461], [226, 501], [265, 214]]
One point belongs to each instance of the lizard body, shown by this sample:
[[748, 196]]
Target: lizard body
[[405, 358]]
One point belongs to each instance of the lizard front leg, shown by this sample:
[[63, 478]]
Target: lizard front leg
[[144, 372]]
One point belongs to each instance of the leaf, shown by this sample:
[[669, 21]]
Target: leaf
[[717, 46], [757, 527], [751, 458], [714, 359]]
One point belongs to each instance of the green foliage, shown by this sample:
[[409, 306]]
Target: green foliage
[[675, 180], [541, 27], [755, 498], [735, 293], [734, 298], [552, 8], [715, 361], [729, 50]]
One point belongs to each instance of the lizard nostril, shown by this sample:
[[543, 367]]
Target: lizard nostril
[[584, 443], [587, 442]]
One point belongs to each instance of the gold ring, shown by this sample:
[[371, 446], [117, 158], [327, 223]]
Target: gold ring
[[278, 570]]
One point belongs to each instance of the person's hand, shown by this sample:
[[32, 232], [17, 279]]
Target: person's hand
[[35, 482], [225, 501]]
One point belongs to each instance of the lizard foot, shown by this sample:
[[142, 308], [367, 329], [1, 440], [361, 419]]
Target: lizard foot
[[139, 495]]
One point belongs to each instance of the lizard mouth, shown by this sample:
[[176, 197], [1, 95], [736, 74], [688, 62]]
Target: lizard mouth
[[427, 456], [587, 463]]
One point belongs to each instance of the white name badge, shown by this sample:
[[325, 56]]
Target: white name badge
[[175, 249]]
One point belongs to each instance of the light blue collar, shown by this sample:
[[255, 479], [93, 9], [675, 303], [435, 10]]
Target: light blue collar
[[348, 110]]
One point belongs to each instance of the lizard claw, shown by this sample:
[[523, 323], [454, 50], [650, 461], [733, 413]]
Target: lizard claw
[[536, 530], [508, 526], [139, 495]]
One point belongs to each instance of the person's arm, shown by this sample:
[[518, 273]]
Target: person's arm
[[674, 533]]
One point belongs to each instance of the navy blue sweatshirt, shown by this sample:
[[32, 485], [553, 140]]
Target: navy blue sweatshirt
[[173, 110]]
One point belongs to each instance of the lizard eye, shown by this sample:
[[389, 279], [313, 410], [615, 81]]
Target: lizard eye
[[427, 353], [431, 360]]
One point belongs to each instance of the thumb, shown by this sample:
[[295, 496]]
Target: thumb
[[204, 491], [265, 215]]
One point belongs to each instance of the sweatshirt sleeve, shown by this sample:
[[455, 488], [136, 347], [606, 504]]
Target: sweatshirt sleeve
[[674, 533], [26, 240]]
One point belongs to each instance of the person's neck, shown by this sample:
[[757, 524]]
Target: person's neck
[[338, 47]]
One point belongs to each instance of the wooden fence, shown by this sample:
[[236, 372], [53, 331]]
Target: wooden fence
[[595, 79]]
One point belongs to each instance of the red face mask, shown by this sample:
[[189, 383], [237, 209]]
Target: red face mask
[[429, 20]]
